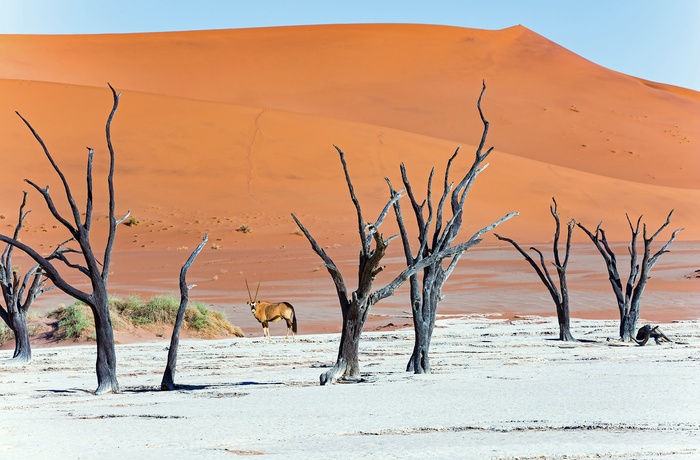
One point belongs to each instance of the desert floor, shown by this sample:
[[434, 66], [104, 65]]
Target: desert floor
[[500, 388]]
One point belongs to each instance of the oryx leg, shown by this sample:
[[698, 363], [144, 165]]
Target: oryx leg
[[289, 328], [266, 331]]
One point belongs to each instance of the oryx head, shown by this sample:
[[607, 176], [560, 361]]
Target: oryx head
[[253, 300]]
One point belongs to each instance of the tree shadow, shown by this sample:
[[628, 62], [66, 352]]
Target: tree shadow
[[572, 342], [68, 391], [194, 387]]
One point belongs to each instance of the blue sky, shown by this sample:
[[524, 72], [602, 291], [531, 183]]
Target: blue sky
[[654, 39]]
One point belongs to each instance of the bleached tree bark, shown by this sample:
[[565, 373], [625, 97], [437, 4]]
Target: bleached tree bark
[[19, 293], [168, 382], [629, 299], [87, 263], [559, 296], [355, 305], [426, 285]]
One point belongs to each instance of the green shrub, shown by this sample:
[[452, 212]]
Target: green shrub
[[158, 310], [74, 322]]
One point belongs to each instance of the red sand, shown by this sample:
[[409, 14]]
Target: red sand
[[219, 129]]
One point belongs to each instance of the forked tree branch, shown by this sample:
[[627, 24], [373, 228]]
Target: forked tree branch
[[355, 201], [110, 183], [435, 257], [64, 181], [328, 262]]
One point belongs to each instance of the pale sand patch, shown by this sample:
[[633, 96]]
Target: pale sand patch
[[500, 389]]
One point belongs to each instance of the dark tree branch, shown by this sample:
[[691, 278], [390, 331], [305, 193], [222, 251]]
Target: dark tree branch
[[437, 257], [69, 195], [355, 201], [328, 262], [88, 176], [110, 183], [52, 207], [543, 277], [6, 258]]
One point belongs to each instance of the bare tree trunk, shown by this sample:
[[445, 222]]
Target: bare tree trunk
[[419, 362], [78, 225], [629, 300], [106, 365], [23, 349], [424, 309], [347, 365], [168, 382], [559, 296]]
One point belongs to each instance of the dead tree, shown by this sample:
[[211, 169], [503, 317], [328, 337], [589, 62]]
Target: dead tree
[[168, 382], [561, 295], [426, 287], [647, 332], [355, 305], [19, 294], [629, 299], [83, 258]]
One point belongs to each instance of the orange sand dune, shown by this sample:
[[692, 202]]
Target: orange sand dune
[[222, 129], [186, 165], [545, 102]]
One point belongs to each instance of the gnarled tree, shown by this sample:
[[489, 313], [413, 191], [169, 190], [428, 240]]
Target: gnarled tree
[[19, 294], [629, 300], [83, 259], [426, 285], [561, 295], [355, 305]]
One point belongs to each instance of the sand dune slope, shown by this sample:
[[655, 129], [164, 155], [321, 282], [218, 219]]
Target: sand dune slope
[[223, 130], [545, 102], [191, 165]]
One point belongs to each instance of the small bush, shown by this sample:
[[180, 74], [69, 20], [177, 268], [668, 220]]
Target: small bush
[[244, 229], [74, 322], [209, 323], [158, 310]]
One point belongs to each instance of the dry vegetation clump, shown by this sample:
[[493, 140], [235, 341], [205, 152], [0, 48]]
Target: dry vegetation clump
[[209, 323], [6, 334], [73, 322], [76, 322], [158, 310]]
